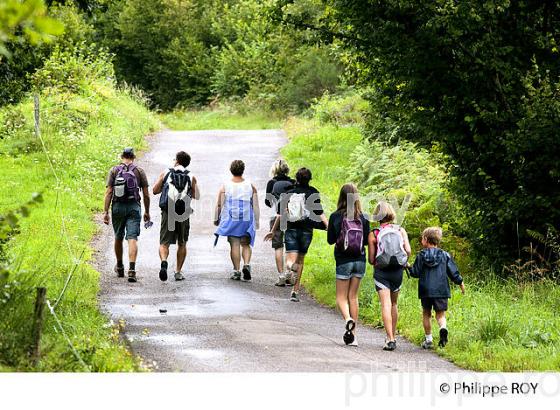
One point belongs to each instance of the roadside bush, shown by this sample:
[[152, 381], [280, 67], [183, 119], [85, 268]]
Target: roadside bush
[[74, 70], [415, 182], [341, 110], [308, 76]]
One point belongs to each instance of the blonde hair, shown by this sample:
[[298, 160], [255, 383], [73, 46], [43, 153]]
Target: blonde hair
[[384, 212], [279, 167], [432, 235]]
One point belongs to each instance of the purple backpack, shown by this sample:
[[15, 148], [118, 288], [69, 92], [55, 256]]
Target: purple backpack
[[351, 238], [131, 187]]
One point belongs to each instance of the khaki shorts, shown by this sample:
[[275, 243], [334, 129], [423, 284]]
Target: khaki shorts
[[180, 235]]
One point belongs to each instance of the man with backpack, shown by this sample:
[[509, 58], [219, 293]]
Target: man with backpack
[[124, 183], [177, 189]]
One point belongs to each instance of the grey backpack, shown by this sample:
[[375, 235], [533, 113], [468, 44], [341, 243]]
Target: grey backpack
[[390, 248]]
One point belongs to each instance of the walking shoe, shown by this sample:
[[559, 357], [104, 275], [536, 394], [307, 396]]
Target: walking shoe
[[390, 345], [132, 276], [235, 275], [348, 335], [179, 276], [163, 274], [281, 281], [443, 333], [119, 271], [294, 297], [354, 343], [246, 273], [290, 278], [427, 344]]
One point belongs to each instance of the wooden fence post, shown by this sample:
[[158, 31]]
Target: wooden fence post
[[38, 325], [36, 115]]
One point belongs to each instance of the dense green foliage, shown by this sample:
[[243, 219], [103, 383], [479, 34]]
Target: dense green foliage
[[185, 53], [27, 55], [498, 325], [478, 80], [85, 121]]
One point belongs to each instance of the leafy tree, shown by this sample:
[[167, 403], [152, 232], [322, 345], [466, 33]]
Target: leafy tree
[[478, 80], [25, 20], [25, 54], [164, 46]]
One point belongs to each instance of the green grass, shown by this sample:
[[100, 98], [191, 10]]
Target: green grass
[[220, 118], [83, 132], [498, 325]]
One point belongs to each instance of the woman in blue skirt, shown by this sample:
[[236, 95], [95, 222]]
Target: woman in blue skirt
[[237, 217]]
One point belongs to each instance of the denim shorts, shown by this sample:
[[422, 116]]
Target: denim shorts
[[348, 270], [298, 240], [126, 220]]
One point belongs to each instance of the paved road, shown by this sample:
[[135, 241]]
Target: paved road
[[214, 324]]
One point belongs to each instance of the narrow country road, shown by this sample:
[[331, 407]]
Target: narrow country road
[[214, 324]]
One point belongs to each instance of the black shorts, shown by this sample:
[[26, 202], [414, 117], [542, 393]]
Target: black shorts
[[388, 278], [278, 238], [437, 304]]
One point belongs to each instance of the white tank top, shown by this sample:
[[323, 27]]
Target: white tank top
[[239, 191]]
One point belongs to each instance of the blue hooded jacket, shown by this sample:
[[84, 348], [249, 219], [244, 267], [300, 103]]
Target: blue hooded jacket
[[433, 266]]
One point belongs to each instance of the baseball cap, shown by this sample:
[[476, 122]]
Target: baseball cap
[[128, 152]]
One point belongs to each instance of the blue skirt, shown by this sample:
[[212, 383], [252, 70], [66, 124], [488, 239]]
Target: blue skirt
[[237, 219]]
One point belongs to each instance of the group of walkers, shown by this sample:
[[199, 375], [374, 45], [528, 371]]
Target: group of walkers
[[298, 212]]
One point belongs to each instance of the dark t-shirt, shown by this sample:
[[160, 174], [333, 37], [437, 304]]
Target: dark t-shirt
[[308, 223], [335, 225], [272, 188], [140, 176]]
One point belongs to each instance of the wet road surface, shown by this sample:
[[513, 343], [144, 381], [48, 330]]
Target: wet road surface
[[214, 324]]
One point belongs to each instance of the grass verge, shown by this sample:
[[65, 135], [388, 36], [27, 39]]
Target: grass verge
[[498, 325], [84, 129], [220, 118]]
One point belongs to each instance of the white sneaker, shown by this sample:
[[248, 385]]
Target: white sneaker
[[179, 276]]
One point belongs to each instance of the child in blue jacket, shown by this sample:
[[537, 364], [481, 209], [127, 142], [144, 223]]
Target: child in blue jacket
[[433, 266]]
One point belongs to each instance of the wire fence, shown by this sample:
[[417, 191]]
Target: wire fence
[[65, 335], [64, 237]]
